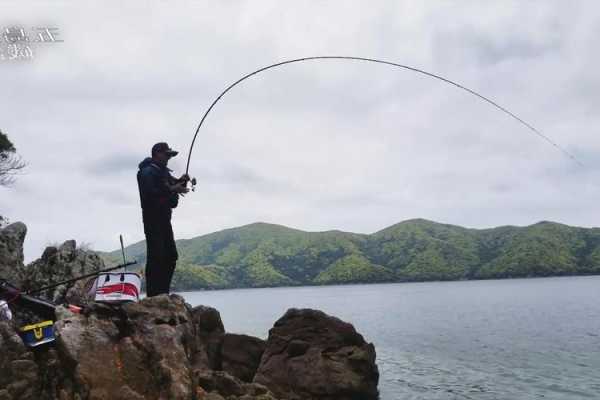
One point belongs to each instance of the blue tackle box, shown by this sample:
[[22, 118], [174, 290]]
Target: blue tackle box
[[37, 334]]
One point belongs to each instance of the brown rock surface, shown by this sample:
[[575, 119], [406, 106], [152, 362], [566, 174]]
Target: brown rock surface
[[209, 338], [311, 355], [162, 348], [220, 383], [241, 354], [19, 376], [138, 350]]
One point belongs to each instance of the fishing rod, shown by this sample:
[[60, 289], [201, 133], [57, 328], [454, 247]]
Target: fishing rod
[[373, 60]]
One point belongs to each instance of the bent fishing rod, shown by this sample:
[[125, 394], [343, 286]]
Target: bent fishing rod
[[393, 64]]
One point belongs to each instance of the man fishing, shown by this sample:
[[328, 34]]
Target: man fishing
[[159, 193]]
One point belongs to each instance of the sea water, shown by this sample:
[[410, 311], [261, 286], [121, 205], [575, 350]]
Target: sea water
[[501, 339]]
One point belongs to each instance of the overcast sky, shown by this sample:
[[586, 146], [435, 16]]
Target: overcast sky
[[315, 146]]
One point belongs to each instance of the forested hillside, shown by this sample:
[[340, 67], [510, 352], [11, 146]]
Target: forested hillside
[[260, 254]]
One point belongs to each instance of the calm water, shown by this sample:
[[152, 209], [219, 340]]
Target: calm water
[[509, 339]]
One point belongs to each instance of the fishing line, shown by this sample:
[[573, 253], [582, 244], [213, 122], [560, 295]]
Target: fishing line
[[407, 67]]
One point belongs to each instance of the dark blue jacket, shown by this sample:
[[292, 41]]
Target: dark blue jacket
[[155, 197]]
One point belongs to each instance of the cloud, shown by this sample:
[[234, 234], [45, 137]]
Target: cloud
[[113, 164], [318, 145]]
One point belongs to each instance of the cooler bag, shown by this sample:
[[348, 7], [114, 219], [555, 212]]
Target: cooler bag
[[37, 334], [118, 287]]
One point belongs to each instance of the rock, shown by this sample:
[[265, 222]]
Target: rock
[[139, 349], [240, 355], [208, 320], [209, 338], [311, 355], [19, 377], [220, 381], [150, 349], [230, 387], [59, 264], [214, 396], [162, 348], [160, 329], [11, 252], [145, 350]]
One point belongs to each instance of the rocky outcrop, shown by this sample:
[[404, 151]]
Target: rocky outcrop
[[59, 264], [152, 350], [11, 251], [145, 350], [162, 348], [311, 355], [139, 351]]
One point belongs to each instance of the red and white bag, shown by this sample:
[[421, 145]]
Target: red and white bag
[[117, 287]]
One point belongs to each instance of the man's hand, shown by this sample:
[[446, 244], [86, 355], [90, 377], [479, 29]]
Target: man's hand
[[180, 188], [184, 178]]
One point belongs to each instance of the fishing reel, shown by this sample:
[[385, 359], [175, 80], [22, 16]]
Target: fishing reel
[[193, 182], [185, 179]]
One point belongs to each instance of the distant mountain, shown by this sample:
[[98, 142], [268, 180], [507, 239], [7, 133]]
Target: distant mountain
[[260, 255]]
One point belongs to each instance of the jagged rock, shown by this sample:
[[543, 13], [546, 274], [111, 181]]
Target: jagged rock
[[222, 384], [162, 348], [148, 350], [160, 329], [59, 264], [139, 350], [145, 350], [311, 355], [11, 251], [19, 376], [240, 355], [209, 338]]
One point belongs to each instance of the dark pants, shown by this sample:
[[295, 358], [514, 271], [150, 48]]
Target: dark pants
[[161, 255]]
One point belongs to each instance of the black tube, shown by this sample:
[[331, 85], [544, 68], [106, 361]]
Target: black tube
[[13, 295]]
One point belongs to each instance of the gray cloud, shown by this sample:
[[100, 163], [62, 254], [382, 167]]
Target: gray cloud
[[317, 146], [488, 48], [113, 164]]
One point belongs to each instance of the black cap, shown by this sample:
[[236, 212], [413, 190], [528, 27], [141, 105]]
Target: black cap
[[162, 147]]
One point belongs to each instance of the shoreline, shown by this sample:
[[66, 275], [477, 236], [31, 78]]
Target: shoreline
[[387, 283]]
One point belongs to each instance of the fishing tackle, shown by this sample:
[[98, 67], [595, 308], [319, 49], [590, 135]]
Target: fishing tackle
[[372, 60]]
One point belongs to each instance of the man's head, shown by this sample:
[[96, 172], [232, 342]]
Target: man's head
[[161, 152]]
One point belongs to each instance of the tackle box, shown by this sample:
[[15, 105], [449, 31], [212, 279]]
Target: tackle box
[[37, 334]]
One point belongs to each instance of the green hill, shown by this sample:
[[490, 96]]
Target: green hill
[[260, 255]]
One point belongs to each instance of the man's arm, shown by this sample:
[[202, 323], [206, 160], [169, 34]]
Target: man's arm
[[178, 185]]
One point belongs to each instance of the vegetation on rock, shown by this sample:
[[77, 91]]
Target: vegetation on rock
[[10, 162]]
